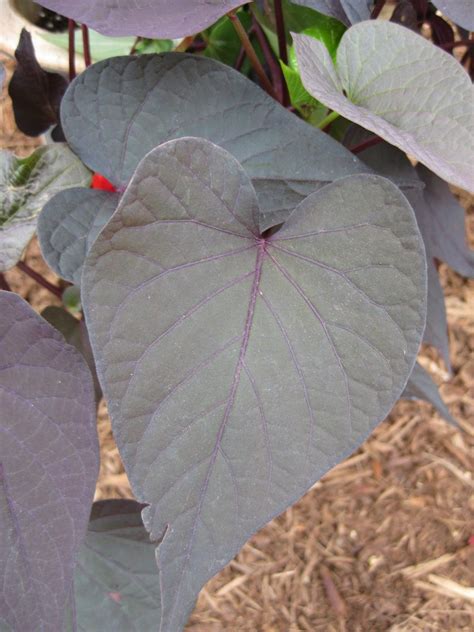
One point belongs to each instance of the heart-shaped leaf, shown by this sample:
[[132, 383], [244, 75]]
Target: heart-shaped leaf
[[158, 19], [119, 109], [116, 580], [36, 94], [421, 386], [459, 11], [68, 226], [26, 184], [49, 460], [400, 86], [238, 369]]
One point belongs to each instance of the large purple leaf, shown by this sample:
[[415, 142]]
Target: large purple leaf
[[119, 109], [400, 86], [48, 467], [238, 369], [159, 19]]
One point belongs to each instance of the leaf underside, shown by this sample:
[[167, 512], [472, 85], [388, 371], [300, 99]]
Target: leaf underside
[[401, 87], [26, 184], [238, 370], [49, 459], [346, 11], [459, 11]]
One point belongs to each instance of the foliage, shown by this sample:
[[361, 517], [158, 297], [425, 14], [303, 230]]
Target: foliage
[[250, 289]]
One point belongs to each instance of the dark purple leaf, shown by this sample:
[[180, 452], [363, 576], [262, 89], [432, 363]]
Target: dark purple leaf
[[48, 467], [35, 93], [441, 31], [160, 19], [405, 14], [238, 369]]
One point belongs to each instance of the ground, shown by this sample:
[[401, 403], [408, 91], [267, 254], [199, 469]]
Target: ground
[[381, 543]]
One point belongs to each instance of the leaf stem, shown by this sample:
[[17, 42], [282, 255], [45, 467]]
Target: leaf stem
[[4, 285], [86, 45], [71, 27], [281, 31], [137, 41], [328, 119], [39, 278], [451, 45], [250, 52], [370, 142], [378, 7], [279, 84]]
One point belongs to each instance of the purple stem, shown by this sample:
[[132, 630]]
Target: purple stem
[[281, 32], [71, 27], [370, 142], [4, 285], [86, 45], [278, 81], [39, 278], [378, 7]]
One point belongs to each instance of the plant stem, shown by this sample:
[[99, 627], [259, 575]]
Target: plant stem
[[239, 62], [185, 43], [278, 80], [250, 52], [39, 278], [71, 27], [332, 116], [4, 285], [281, 31], [133, 50], [378, 7], [451, 45], [370, 142], [86, 45]]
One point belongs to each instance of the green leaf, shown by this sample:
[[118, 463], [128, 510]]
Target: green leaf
[[26, 184], [238, 369], [116, 582], [222, 40], [403, 88], [311, 110]]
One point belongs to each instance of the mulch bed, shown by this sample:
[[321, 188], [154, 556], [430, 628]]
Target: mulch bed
[[381, 543]]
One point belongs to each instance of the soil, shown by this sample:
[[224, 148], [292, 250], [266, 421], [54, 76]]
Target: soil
[[384, 542]]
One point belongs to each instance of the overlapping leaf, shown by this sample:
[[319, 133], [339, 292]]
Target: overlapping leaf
[[346, 11], [48, 467], [26, 184], [68, 226], [116, 580], [397, 84], [238, 369], [75, 333], [119, 109], [421, 386], [158, 19]]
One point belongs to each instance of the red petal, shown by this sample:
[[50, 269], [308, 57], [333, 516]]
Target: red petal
[[99, 182]]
